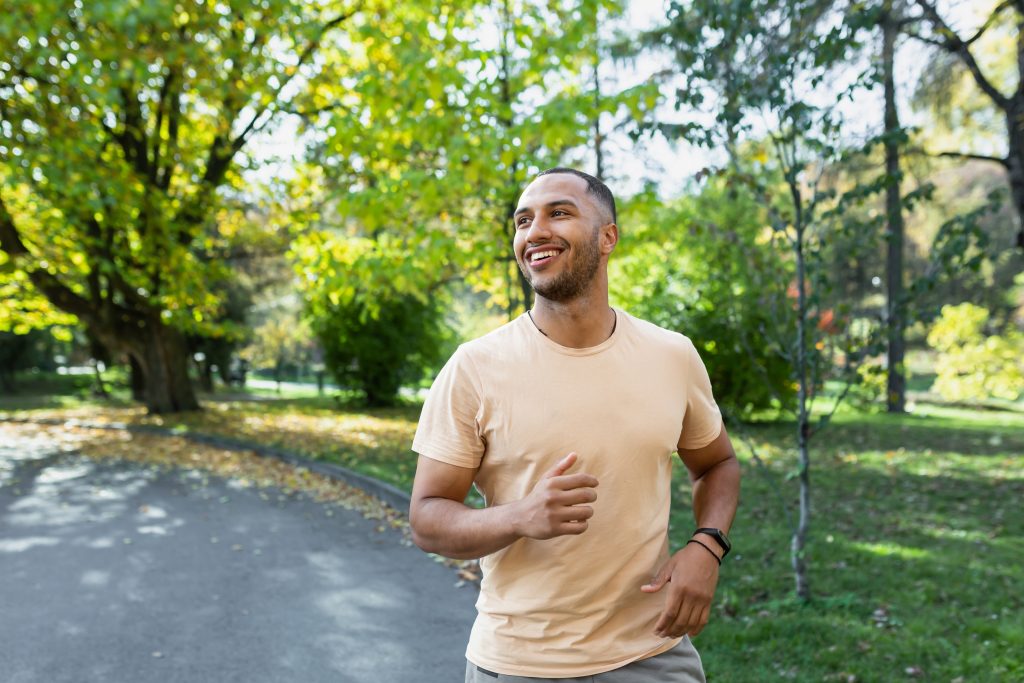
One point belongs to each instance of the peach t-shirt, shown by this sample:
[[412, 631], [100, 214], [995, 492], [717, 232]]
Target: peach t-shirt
[[511, 404]]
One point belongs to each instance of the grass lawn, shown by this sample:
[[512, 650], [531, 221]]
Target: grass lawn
[[916, 549]]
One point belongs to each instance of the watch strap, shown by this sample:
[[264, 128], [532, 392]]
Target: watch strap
[[720, 538]]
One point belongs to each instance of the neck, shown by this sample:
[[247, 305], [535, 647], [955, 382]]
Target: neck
[[577, 324]]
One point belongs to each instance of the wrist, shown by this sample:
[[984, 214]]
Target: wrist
[[705, 549], [715, 538], [514, 524]]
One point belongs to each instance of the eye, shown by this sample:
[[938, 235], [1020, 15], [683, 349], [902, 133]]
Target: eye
[[559, 212], [522, 220]]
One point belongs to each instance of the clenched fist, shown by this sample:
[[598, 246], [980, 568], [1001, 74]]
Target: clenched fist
[[558, 504]]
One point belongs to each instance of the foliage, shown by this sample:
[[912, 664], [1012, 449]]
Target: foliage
[[381, 353], [702, 266], [776, 60], [124, 128], [32, 349], [479, 97], [985, 56], [377, 315], [282, 341], [972, 364]]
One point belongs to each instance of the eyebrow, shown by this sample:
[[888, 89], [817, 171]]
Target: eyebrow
[[549, 205]]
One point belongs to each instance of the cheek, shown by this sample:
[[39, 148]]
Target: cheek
[[519, 244]]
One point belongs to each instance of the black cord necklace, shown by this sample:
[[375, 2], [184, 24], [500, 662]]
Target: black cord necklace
[[615, 323]]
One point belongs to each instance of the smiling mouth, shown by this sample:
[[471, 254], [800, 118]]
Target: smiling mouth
[[541, 256]]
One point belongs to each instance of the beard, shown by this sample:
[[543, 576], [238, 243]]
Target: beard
[[574, 279]]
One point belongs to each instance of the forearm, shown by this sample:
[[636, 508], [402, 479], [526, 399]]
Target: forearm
[[453, 529], [716, 494]]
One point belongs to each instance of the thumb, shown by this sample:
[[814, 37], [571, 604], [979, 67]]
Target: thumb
[[563, 464], [663, 576]]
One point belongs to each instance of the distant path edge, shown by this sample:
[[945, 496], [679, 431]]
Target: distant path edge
[[387, 493]]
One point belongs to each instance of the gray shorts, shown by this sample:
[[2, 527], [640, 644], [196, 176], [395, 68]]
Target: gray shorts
[[681, 664]]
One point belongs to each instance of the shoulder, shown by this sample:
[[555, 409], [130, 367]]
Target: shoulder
[[498, 343], [656, 335]]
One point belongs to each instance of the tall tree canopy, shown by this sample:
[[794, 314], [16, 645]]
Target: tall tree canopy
[[430, 132], [122, 135]]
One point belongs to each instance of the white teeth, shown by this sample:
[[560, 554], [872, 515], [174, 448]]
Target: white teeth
[[542, 254]]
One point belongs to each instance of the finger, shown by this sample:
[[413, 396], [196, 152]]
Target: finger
[[575, 481], [576, 496], [575, 513], [563, 464], [668, 615], [573, 527], [686, 620], [660, 579], [701, 623]]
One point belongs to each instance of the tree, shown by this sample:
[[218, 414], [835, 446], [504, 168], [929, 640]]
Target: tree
[[480, 96], [380, 354], [973, 364], [702, 265], [375, 338], [283, 340], [1006, 16], [895, 319], [771, 60], [124, 128]]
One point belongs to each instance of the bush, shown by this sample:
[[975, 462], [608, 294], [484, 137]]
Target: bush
[[972, 365], [380, 351], [700, 267]]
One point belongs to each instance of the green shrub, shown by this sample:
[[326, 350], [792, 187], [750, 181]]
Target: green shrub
[[700, 266], [971, 364], [379, 354]]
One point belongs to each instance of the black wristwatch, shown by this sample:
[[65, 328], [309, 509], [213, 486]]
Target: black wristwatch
[[719, 537]]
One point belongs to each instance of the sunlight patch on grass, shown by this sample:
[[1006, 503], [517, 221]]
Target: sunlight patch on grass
[[892, 550]]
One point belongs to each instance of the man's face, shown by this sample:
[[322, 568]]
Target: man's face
[[558, 236]]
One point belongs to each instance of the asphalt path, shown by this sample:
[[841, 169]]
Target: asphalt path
[[114, 571]]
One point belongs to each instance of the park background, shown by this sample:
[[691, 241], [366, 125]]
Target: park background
[[275, 221]]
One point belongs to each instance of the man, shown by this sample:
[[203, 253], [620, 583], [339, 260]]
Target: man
[[565, 420]]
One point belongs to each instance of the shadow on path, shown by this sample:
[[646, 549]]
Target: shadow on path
[[125, 572]]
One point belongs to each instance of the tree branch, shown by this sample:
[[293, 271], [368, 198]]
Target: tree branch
[[223, 148], [59, 294], [991, 20], [1002, 161], [132, 137], [955, 45], [162, 105], [307, 52], [977, 157]]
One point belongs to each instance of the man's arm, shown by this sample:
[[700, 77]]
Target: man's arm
[[715, 476], [692, 573], [442, 523]]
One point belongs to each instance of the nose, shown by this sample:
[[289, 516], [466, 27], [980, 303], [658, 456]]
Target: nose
[[538, 231]]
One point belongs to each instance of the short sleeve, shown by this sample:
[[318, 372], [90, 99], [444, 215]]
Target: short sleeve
[[702, 422], [448, 429]]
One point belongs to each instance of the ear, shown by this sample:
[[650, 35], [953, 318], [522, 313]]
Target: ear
[[609, 238]]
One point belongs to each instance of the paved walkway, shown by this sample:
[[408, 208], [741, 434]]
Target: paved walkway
[[122, 572]]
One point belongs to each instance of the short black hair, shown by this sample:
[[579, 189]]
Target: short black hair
[[594, 187]]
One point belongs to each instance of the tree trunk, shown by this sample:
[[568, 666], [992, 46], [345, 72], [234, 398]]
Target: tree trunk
[[1015, 162], [598, 137], [206, 376], [138, 380], [799, 540], [100, 389], [1015, 133], [895, 323], [162, 354]]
